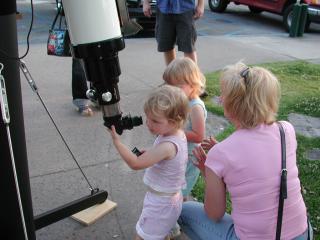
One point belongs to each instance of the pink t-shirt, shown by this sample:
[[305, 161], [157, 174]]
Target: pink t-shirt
[[168, 176], [249, 162]]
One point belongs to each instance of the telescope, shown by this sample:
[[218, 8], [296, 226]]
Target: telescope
[[96, 30]]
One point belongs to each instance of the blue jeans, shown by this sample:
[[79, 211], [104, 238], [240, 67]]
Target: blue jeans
[[195, 223], [79, 81], [304, 236]]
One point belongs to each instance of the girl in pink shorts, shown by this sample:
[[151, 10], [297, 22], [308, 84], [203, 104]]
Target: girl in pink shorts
[[166, 111]]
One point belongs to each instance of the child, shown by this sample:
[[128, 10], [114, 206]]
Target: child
[[185, 74], [166, 111]]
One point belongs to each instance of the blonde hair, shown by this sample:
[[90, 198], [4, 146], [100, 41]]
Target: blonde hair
[[250, 95], [169, 102], [185, 71]]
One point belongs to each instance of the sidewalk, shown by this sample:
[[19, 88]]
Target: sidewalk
[[51, 168]]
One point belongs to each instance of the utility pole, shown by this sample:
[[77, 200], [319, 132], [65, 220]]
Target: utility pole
[[15, 224]]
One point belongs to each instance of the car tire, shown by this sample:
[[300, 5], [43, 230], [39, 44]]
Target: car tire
[[307, 26], [287, 17], [218, 5], [255, 10]]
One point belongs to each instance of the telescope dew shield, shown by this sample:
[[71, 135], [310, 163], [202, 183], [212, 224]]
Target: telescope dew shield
[[96, 38], [92, 21]]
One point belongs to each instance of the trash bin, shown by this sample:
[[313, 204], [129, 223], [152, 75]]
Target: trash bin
[[303, 19], [299, 18]]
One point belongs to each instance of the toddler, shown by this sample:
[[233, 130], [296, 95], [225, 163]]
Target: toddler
[[166, 111], [185, 74]]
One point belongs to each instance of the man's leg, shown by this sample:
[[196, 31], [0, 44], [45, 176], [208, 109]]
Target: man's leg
[[169, 56], [79, 82], [192, 56], [79, 88], [165, 34], [186, 35]]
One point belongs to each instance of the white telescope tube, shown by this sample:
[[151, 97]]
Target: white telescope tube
[[91, 21]]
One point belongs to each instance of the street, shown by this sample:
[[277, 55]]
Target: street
[[236, 20]]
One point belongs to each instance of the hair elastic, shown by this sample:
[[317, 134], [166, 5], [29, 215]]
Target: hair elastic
[[244, 74]]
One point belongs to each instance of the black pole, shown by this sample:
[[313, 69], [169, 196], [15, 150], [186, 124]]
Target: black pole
[[11, 219]]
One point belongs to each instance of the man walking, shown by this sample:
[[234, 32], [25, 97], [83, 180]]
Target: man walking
[[175, 25]]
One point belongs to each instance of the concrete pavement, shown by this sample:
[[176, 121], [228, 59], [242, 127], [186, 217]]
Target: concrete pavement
[[55, 179]]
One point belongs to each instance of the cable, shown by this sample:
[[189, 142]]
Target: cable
[[64, 141], [28, 43], [34, 88], [32, 84]]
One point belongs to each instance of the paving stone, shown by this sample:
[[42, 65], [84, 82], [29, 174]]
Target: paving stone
[[305, 125], [315, 61], [313, 154], [215, 124]]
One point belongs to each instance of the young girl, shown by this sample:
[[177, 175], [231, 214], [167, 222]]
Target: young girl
[[185, 74], [166, 110]]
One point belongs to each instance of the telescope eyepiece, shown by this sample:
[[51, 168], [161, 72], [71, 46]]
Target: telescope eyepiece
[[129, 122], [123, 123]]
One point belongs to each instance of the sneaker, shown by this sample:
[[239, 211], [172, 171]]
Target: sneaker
[[87, 112], [174, 232], [82, 107]]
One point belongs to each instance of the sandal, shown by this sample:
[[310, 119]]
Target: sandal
[[82, 107], [86, 112]]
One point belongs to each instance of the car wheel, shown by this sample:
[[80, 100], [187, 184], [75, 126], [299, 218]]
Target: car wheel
[[287, 17], [307, 26], [218, 5], [255, 9]]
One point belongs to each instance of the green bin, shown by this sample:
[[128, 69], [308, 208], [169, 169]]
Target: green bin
[[296, 13], [299, 19], [303, 19]]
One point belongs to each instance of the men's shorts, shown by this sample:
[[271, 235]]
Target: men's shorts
[[174, 29]]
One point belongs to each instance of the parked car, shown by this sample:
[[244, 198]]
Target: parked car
[[281, 7], [135, 10]]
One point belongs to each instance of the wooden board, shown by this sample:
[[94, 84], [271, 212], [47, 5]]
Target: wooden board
[[92, 214]]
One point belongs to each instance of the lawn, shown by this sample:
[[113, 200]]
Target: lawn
[[300, 93]]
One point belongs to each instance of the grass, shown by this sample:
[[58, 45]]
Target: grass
[[300, 93]]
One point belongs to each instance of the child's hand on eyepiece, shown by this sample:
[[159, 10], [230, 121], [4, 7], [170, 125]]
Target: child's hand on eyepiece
[[114, 134]]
